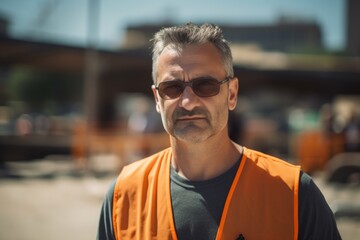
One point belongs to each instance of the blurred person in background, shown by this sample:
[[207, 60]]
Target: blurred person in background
[[352, 133], [205, 186]]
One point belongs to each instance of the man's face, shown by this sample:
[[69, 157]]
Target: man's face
[[190, 117]]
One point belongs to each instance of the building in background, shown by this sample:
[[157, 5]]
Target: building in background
[[287, 35], [353, 27], [4, 24]]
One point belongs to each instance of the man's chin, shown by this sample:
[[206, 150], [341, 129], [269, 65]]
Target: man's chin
[[191, 133]]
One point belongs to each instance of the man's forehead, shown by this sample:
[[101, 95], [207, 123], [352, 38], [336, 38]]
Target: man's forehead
[[171, 51], [193, 61], [189, 50]]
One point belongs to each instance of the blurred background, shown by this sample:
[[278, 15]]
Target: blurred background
[[76, 102]]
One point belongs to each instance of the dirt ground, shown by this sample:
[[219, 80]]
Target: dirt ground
[[47, 200], [63, 208]]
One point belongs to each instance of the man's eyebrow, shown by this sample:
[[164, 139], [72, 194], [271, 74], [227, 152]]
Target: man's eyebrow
[[167, 79], [173, 78], [203, 76]]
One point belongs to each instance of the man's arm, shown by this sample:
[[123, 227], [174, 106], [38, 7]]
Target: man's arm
[[105, 228], [316, 220]]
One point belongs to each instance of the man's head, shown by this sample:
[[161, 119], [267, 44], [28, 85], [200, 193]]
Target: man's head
[[179, 37], [194, 86]]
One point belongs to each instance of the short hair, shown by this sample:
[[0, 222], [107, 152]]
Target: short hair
[[191, 34]]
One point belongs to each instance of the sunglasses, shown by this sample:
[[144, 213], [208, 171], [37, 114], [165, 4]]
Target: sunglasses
[[202, 87]]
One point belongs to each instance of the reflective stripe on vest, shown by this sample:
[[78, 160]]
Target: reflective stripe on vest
[[262, 202]]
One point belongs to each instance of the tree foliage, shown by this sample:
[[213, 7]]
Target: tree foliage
[[38, 88]]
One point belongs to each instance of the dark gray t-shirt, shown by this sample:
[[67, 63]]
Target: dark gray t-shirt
[[198, 206]]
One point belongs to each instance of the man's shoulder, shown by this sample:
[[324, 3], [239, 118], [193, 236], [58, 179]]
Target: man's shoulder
[[272, 166], [265, 159], [145, 164]]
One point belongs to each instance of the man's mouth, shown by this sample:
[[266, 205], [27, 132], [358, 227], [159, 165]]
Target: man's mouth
[[183, 115], [191, 118]]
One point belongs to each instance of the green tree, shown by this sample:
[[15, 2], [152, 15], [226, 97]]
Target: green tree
[[40, 89]]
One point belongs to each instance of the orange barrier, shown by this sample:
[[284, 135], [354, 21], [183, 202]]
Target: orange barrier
[[87, 142], [314, 149]]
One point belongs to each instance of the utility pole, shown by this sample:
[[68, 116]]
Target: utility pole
[[91, 74]]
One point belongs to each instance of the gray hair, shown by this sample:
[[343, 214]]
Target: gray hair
[[191, 34]]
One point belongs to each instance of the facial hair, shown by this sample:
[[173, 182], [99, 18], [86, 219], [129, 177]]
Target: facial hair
[[194, 131]]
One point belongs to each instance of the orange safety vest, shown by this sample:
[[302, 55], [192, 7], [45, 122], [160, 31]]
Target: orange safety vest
[[262, 202]]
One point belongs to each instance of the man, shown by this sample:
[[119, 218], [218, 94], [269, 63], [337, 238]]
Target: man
[[205, 186]]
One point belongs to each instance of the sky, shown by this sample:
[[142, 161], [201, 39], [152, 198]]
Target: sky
[[66, 21]]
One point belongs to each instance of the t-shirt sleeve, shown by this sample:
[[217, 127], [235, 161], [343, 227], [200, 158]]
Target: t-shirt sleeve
[[105, 227], [316, 220]]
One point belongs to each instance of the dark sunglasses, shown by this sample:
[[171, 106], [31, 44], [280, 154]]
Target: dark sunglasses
[[202, 87]]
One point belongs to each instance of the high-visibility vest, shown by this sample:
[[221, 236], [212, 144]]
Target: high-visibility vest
[[262, 202]]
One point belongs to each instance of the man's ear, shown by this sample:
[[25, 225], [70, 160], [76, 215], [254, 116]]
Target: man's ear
[[157, 107], [233, 93], [156, 98]]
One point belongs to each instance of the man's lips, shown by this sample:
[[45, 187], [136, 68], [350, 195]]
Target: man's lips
[[192, 118], [196, 114]]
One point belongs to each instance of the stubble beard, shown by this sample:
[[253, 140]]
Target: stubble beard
[[194, 131]]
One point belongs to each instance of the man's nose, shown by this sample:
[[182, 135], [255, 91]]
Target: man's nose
[[188, 99]]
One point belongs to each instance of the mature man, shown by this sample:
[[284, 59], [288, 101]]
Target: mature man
[[205, 186]]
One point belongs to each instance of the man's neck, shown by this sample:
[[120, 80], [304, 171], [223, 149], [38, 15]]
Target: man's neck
[[205, 160]]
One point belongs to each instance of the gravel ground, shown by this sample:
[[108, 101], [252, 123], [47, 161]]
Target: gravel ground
[[63, 208], [49, 200]]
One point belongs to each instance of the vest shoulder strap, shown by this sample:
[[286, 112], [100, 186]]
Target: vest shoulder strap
[[141, 204], [263, 199]]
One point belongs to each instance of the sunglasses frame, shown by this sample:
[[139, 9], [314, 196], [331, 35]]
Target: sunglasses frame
[[190, 84]]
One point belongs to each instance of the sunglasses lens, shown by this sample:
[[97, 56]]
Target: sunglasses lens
[[171, 89], [206, 87], [203, 87]]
